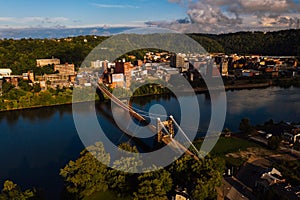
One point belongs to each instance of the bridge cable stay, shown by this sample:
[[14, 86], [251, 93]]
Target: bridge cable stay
[[141, 118], [145, 112], [180, 129], [119, 102], [151, 117], [163, 126], [154, 117], [169, 134], [141, 111], [193, 129], [127, 130]]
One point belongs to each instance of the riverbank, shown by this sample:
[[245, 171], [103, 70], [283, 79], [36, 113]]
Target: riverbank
[[246, 86], [233, 87], [18, 99]]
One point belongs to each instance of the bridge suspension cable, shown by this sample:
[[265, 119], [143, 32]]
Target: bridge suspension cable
[[146, 114], [186, 137], [174, 142], [139, 117], [149, 113]]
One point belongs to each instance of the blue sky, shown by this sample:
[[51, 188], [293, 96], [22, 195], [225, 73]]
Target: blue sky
[[30, 13], [213, 16]]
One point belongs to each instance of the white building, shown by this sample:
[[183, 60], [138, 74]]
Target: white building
[[5, 72], [45, 62], [99, 64]]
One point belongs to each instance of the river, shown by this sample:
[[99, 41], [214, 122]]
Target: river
[[36, 143]]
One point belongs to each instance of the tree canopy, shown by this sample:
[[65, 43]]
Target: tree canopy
[[11, 191], [87, 175]]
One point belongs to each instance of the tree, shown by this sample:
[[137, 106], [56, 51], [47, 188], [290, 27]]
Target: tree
[[11, 191], [37, 87], [270, 122], [245, 126], [199, 177], [6, 87], [24, 85], [154, 185], [48, 82], [25, 101], [44, 98], [122, 182], [14, 94], [87, 174]]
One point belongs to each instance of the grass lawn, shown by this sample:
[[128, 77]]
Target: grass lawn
[[108, 195], [228, 145], [231, 145]]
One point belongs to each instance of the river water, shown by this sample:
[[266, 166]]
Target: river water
[[36, 143]]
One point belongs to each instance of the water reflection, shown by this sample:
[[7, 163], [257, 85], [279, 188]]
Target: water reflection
[[261, 105], [30, 115], [36, 143]]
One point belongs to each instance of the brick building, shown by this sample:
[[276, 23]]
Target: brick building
[[66, 69]]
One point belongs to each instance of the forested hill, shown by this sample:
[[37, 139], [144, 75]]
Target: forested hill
[[20, 55], [280, 43]]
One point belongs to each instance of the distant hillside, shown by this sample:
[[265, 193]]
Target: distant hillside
[[208, 43], [280, 43], [20, 55], [50, 33]]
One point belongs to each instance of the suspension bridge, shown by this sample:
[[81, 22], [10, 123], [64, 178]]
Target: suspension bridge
[[163, 129]]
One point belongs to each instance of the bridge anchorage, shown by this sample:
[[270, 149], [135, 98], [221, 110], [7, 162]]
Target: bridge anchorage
[[164, 130]]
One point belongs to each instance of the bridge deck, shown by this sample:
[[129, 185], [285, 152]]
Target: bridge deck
[[166, 139]]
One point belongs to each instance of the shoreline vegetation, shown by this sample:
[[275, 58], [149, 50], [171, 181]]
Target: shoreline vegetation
[[19, 99], [230, 152]]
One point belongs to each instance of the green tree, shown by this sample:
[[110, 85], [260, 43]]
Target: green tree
[[270, 122], [24, 85], [87, 174], [14, 94], [199, 177], [25, 101], [43, 98], [11, 191], [36, 87], [154, 185], [6, 87], [245, 126], [122, 182]]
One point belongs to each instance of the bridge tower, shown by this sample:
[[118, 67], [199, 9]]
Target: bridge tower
[[164, 129]]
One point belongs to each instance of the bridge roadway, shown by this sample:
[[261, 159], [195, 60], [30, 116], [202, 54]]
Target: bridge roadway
[[168, 140]]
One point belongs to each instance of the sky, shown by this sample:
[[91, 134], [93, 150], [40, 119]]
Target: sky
[[207, 16]]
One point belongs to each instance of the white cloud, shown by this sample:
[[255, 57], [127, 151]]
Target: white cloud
[[113, 5], [32, 21], [6, 19], [218, 16]]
